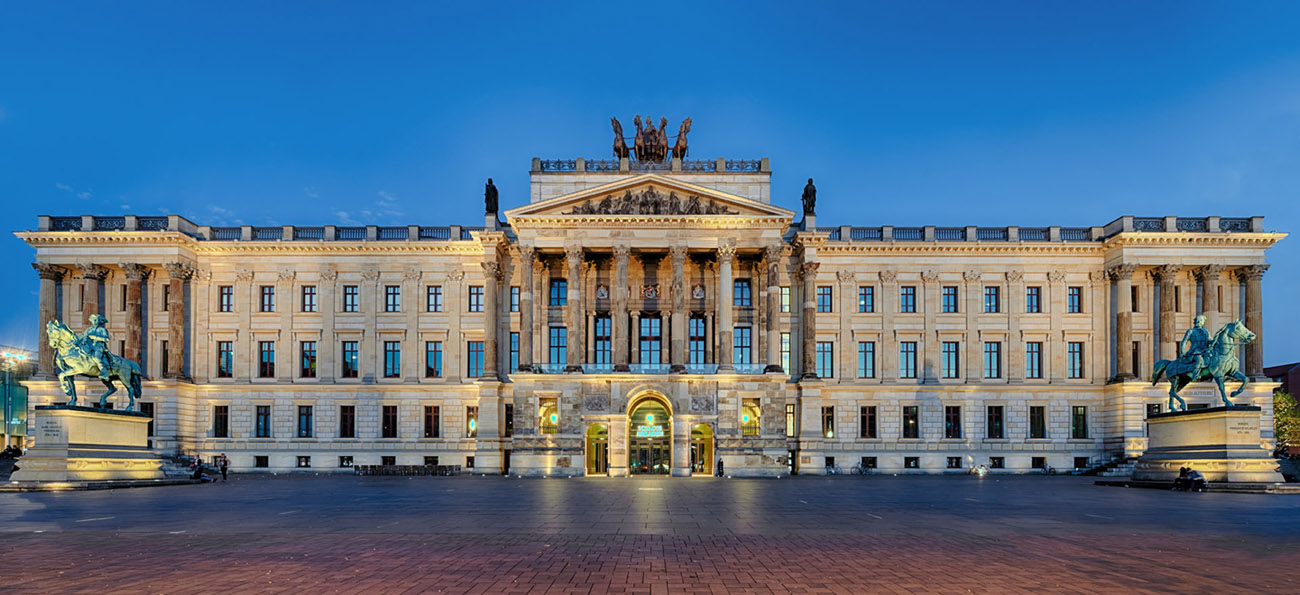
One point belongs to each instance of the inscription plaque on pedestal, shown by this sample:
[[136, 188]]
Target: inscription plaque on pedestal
[[1222, 443], [87, 444]]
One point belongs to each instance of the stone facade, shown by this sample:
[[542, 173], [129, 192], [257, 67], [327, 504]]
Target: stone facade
[[771, 344]]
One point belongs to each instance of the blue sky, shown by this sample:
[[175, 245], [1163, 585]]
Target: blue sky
[[905, 113]]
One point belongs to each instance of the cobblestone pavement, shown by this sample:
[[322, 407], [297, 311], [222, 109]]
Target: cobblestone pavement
[[800, 535]]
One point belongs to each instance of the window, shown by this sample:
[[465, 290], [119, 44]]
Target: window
[[1137, 359], [1074, 300], [828, 422], [476, 298], [304, 421], [121, 303], [741, 347], [604, 344], [225, 299], [997, 462], [789, 420], [1038, 462], [347, 421], [825, 359], [1074, 358], [907, 299], [345, 461], [651, 340], [1037, 422], [388, 461], [1033, 359], [911, 462], [1034, 300], [907, 359], [949, 300], [1133, 298], [785, 298], [308, 298], [433, 359], [866, 359], [952, 421], [267, 303], [696, 341], [951, 365], [559, 292], [785, 352], [266, 359], [559, 345], [514, 298], [474, 363], [147, 409], [351, 298], [433, 298], [392, 298], [166, 297], [867, 422], [866, 299], [262, 422], [307, 362], [992, 359], [992, 300], [392, 359], [221, 421], [431, 461], [911, 421], [304, 462], [869, 462], [514, 352], [954, 463], [509, 420], [994, 423], [432, 421], [824, 299], [350, 356], [1078, 422], [1082, 462], [261, 461], [750, 417], [741, 296], [1178, 299], [388, 421], [471, 422], [166, 354]]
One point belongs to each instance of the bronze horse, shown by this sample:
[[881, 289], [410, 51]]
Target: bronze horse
[[679, 148], [71, 360], [620, 145]]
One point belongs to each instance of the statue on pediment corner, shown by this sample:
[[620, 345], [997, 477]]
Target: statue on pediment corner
[[620, 145]]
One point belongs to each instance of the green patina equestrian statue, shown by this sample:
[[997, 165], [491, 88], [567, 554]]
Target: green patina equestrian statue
[[1205, 358], [88, 355]]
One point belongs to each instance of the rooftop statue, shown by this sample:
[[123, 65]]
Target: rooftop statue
[[1205, 358], [490, 197], [88, 355], [650, 144], [679, 149], [620, 145], [809, 197]]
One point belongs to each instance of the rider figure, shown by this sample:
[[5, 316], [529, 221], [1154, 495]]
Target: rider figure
[[1195, 341], [95, 342]]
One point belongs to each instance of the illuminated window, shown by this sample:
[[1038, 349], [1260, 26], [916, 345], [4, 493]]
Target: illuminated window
[[548, 415], [911, 421], [471, 422], [828, 422], [790, 429], [785, 298], [750, 414], [785, 353]]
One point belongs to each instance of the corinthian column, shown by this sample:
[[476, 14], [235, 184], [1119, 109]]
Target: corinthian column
[[772, 258], [491, 280], [50, 276], [1168, 333], [677, 254], [178, 272], [1253, 275], [135, 276], [573, 309], [1123, 276], [1210, 294], [526, 256], [726, 254], [91, 276], [808, 272], [619, 313]]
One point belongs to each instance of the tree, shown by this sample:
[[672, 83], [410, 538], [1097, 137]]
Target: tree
[[1286, 420]]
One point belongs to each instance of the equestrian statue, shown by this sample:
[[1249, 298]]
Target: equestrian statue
[[88, 355], [1205, 358]]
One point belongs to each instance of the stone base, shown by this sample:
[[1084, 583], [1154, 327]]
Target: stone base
[[80, 444], [1223, 443]]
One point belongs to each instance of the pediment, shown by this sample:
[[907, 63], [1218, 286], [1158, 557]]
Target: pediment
[[646, 197]]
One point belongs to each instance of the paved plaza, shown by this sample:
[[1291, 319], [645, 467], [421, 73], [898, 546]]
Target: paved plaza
[[651, 535]]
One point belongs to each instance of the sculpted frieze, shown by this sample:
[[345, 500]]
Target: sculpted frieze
[[652, 202]]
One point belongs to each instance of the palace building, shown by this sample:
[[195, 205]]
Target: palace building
[[652, 317]]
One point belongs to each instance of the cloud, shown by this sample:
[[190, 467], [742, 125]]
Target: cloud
[[83, 195], [63, 187], [221, 216], [124, 207], [311, 191], [345, 219]]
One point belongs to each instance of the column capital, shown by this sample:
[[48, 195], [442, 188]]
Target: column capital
[[246, 275], [492, 270], [1015, 276], [1253, 272], [49, 271], [456, 276], [284, 275], [808, 271], [888, 276], [93, 271], [1098, 276], [135, 271], [972, 276], [527, 252], [929, 275], [726, 249], [178, 270], [677, 253], [1122, 272], [622, 251], [1166, 271], [573, 253], [1056, 276], [772, 252], [846, 278], [412, 275], [1210, 272], [329, 275], [371, 275]]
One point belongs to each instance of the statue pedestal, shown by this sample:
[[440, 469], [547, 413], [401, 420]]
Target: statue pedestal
[[85, 444], [1222, 443]]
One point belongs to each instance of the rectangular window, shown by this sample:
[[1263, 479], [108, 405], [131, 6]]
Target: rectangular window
[[992, 300], [345, 461], [166, 355], [1034, 300], [954, 462], [994, 423], [1078, 422], [121, 303], [392, 359], [952, 421], [474, 361], [476, 298], [350, 359], [514, 298], [1178, 299], [1133, 298], [147, 409], [1037, 422], [741, 348], [261, 461], [992, 359], [514, 352], [267, 303], [866, 299], [225, 299], [559, 345], [907, 359], [949, 299], [1033, 359], [388, 421], [221, 421], [824, 299], [785, 298], [433, 298], [432, 421], [388, 461], [651, 340], [741, 296], [604, 342], [1074, 359], [471, 422], [347, 421], [1137, 359], [304, 462], [997, 462], [911, 462], [1074, 300], [866, 359], [951, 367], [750, 417], [825, 359], [166, 297], [911, 421], [559, 292], [351, 298], [433, 359], [785, 353], [828, 422], [509, 420], [789, 420], [867, 422], [262, 422], [907, 299], [308, 298], [696, 341], [304, 421], [392, 298], [307, 362], [266, 359]]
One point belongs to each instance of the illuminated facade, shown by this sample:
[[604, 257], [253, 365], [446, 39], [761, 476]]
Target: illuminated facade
[[652, 319]]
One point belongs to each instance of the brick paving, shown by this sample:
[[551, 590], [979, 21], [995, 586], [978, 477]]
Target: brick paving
[[803, 535]]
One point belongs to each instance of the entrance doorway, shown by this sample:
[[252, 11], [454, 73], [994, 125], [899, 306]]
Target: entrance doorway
[[597, 449], [702, 449], [650, 449]]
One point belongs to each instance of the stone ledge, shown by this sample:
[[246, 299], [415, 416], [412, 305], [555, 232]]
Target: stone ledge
[[69, 486], [1241, 488]]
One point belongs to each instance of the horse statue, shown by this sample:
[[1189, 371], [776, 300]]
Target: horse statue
[[1220, 364], [637, 142], [679, 148], [71, 359], [620, 145]]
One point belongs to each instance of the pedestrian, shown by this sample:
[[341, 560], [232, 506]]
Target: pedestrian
[[225, 466], [1180, 483], [720, 467], [1195, 481]]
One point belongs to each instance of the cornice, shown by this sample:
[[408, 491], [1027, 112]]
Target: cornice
[[653, 221], [907, 248], [1142, 239], [227, 248]]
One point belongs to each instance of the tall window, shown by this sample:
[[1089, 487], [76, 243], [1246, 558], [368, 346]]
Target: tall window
[[347, 421], [994, 423], [907, 299], [1034, 300], [1037, 422], [559, 345], [351, 298], [751, 414], [225, 359], [308, 298], [266, 359], [433, 298], [262, 422], [992, 299], [828, 422], [651, 340], [866, 299], [866, 359], [304, 421], [514, 298], [476, 298], [867, 422], [1074, 300], [268, 298], [741, 295], [432, 421], [166, 354], [741, 347], [392, 359], [952, 421], [433, 359], [951, 359], [221, 421], [785, 298], [350, 359], [1078, 422], [1134, 293], [1033, 359], [548, 415], [604, 342], [474, 361], [1074, 359], [514, 352], [147, 409], [949, 299], [790, 429], [911, 421], [392, 298], [225, 299], [508, 420], [785, 353], [992, 359], [697, 340], [1137, 359], [388, 421], [307, 362], [167, 297], [471, 422], [907, 359], [824, 299], [559, 292], [825, 359]]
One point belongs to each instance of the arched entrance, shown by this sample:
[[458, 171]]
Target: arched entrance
[[702, 449], [597, 449], [649, 431]]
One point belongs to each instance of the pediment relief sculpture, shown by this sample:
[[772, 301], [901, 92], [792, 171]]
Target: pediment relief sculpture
[[652, 202]]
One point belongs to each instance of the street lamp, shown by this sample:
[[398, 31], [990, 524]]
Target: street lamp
[[15, 396]]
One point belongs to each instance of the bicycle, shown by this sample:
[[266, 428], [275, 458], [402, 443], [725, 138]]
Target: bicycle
[[860, 469], [834, 470]]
